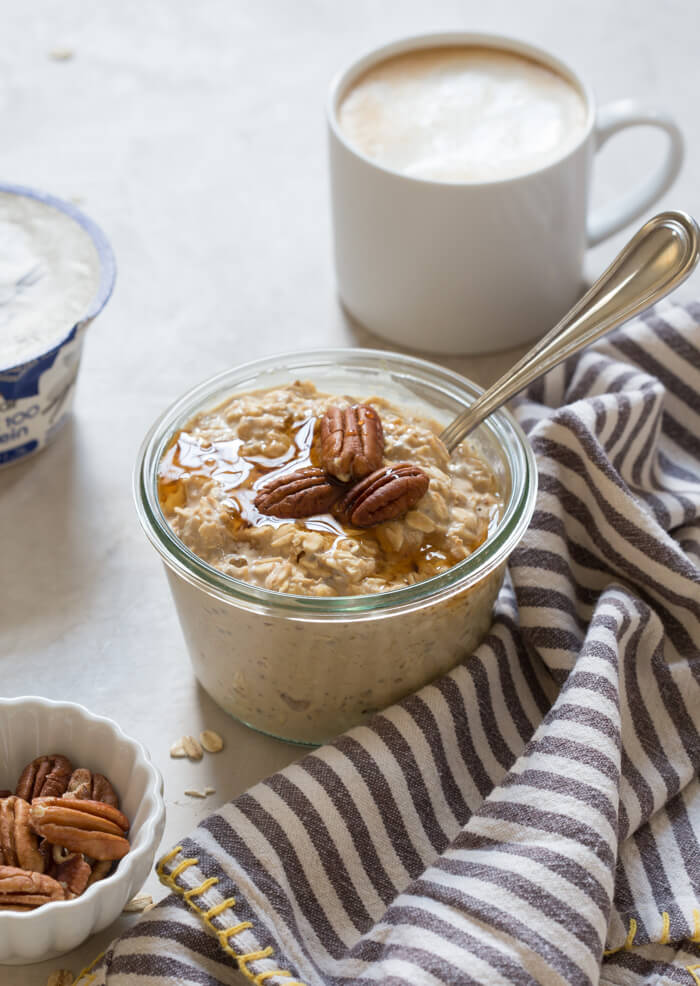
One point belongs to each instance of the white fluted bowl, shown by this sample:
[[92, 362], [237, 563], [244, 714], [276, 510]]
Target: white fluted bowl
[[31, 726]]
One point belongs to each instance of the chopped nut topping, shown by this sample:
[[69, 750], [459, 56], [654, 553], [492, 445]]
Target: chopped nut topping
[[177, 750], [192, 792]]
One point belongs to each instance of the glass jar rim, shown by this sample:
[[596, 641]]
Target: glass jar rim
[[487, 557]]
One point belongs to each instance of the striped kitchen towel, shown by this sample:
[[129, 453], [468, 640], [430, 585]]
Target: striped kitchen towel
[[533, 817]]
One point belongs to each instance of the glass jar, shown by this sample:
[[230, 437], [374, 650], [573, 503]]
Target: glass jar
[[305, 668]]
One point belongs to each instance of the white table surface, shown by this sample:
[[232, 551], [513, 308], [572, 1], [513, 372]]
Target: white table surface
[[194, 134]]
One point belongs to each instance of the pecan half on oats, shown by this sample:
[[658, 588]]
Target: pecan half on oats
[[352, 441], [24, 890], [19, 846], [384, 495], [44, 777], [84, 785], [297, 494], [90, 827]]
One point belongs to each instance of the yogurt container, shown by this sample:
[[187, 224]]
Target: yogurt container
[[57, 272]]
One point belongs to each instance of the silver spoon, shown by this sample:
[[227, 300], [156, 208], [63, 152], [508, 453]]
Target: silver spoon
[[657, 259]]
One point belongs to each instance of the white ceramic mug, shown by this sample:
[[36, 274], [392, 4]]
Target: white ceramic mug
[[476, 266]]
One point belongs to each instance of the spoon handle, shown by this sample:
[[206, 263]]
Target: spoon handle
[[657, 258]]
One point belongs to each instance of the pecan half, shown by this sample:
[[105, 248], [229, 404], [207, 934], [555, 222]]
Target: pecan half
[[100, 869], [19, 846], [45, 776], [83, 784], [297, 494], [352, 441], [20, 889], [90, 827], [384, 495], [73, 873]]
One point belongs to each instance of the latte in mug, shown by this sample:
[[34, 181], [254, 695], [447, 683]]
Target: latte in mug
[[462, 114], [460, 176]]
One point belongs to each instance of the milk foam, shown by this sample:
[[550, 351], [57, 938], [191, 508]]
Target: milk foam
[[462, 114], [49, 273]]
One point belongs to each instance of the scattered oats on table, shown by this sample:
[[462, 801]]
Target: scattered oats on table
[[211, 741], [138, 903], [188, 746], [61, 977], [192, 748]]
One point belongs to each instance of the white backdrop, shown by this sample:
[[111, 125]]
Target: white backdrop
[[194, 134]]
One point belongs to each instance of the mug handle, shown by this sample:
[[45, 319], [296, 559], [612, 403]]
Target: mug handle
[[610, 119]]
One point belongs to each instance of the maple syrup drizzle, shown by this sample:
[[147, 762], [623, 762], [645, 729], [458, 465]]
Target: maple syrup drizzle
[[241, 476]]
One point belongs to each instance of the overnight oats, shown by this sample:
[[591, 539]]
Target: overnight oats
[[222, 472], [327, 556]]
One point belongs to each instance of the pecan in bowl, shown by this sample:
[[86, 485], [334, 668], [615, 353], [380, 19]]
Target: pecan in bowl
[[19, 845], [83, 784], [95, 829], [24, 890], [62, 836], [46, 776], [70, 860]]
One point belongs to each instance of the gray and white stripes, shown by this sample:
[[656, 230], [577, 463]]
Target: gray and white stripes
[[534, 816]]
